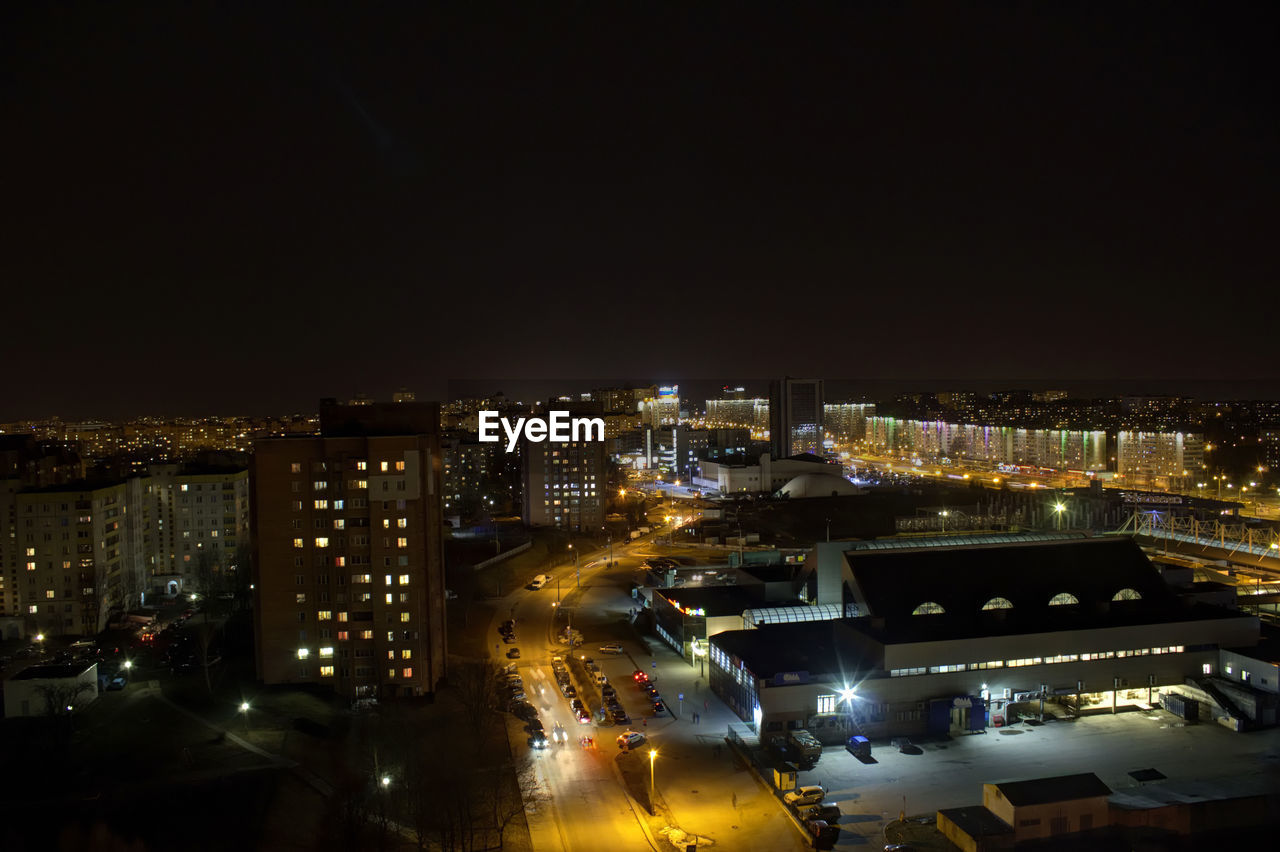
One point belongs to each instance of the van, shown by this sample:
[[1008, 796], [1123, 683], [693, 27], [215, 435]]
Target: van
[[599, 678], [540, 581]]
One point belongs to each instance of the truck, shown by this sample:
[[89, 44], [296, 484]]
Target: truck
[[805, 746]]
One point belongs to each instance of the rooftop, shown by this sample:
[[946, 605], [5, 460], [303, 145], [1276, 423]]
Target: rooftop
[[1045, 791], [977, 821], [817, 647], [715, 600], [53, 672]]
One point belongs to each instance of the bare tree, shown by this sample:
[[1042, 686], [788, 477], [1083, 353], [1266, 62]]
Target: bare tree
[[513, 789], [475, 683]]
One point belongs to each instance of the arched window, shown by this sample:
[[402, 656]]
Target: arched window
[[1063, 599], [998, 603], [928, 608], [1126, 595]]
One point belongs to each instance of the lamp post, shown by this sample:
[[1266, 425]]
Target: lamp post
[[1058, 509], [653, 754]]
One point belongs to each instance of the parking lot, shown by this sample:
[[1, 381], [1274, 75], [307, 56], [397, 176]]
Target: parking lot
[[951, 773]]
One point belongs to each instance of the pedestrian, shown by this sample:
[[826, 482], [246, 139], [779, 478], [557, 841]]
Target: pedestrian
[[645, 721]]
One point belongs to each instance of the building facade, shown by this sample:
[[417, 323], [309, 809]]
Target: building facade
[[795, 417], [348, 560], [564, 484]]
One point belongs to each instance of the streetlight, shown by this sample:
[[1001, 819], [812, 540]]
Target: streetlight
[[1059, 508], [386, 781], [653, 754]]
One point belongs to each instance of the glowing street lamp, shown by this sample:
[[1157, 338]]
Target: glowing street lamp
[[653, 755], [1058, 509]]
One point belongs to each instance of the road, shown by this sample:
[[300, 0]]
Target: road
[[588, 809]]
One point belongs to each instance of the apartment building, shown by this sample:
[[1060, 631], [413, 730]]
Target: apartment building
[[348, 562]]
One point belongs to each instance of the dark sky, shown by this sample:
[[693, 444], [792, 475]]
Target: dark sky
[[229, 208]]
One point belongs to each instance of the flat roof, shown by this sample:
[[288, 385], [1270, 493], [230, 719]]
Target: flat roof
[[817, 647], [53, 672], [977, 821], [1059, 788], [716, 600]]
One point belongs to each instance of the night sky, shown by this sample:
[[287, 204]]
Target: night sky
[[234, 209]]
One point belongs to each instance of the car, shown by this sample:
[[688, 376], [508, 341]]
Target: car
[[117, 683], [659, 707], [514, 680], [577, 704], [524, 710], [630, 739], [513, 654], [827, 812], [650, 690], [607, 691], [538, 739], [639, 676], [568, 690], [534, 724], [902, 744], [510, 639], [619, 716], [559, 734], [582, 716], [811, 794], [518, 695], [611, 648]]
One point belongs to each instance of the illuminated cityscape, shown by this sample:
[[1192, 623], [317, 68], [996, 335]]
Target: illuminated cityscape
[[464, 427]]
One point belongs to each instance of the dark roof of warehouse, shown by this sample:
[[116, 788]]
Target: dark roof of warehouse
[[1045, 791], [716, 600], [977, 821], [892, 583], [817, 647]]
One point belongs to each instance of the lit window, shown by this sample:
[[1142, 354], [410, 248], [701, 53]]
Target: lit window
[[402, 542], [320, 484], [391, 673], [408, 672], [295, 467], [322, 541], [366, 634], [402, 522], [404, 616], [404, 579], [1126, 595], [998, 603], [326, 652], [31, 551], [342, 616], [399, 465], [297, 542], [386, 579], [928, 608], [406, 654], [33, 609], [384, 467], [326, 671], [324, 615], [362, 465], [826, 703], [1063, 599], [31, 566], [303, 653], [322, 504], [386, 523], [49, 594], [339, 524], [301, 596], [343, 636], [183, 487], [389, 596], [339, 562]]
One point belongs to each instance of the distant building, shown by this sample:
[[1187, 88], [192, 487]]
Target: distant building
[[1159, 456], [348, 561], [661, 410], [52, 690], [564, 484], [795, 417], [750, 414], [767, 475], [847, 421]]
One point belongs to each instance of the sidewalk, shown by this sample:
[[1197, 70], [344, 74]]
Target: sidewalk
[[708, 791]]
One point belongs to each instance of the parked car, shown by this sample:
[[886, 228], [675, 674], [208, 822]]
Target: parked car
[[582, 716], [858, 746], [607, 691], [619, 716], [827, 812], [611, 648], [513, 654], [902, 744], [630, 739], [639, 676], [811, 794], [116, 683], [568, 690], [650, 690], [659, 707], [509, 639]]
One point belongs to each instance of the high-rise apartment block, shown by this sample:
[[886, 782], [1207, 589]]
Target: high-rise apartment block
[[348, 558], [564, 484], [795, 417]]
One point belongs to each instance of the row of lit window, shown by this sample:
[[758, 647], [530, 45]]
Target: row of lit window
[[1035, 661], [323, 541]]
